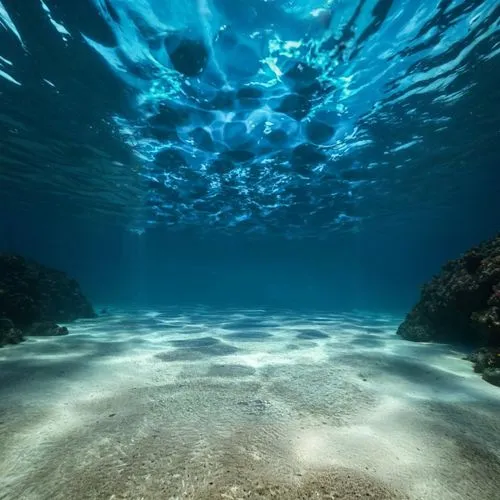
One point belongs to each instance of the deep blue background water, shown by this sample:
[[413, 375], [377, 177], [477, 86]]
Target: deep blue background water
[[98, 179]]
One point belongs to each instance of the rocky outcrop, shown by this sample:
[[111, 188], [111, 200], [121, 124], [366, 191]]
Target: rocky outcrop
[[34, 297], [46, 328], [487, 361], [9, 334], [462, 305]]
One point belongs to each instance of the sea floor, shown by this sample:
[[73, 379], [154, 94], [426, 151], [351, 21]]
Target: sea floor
[[206, 404]]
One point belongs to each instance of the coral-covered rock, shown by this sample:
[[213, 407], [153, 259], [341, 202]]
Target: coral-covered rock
[[46, 328], [492, 375], [462, 304], [9, 334], [487, 361], [32, 295], [485, 358]]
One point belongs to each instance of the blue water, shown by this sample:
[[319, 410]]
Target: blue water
[[323, 153], [250, 193]]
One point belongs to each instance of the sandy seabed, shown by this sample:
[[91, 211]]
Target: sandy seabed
[[205, 404]]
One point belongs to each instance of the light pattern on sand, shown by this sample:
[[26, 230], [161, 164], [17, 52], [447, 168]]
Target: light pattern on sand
[[208, 403]]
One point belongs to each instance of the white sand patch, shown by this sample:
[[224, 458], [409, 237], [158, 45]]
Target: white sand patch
[[159, 404]]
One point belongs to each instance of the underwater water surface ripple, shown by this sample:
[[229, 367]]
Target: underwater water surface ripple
[[299, 117]]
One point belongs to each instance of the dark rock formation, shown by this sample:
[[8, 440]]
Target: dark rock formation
[[487, 361], [9, 334], [462, 304], [46, 329], [33, 297]]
